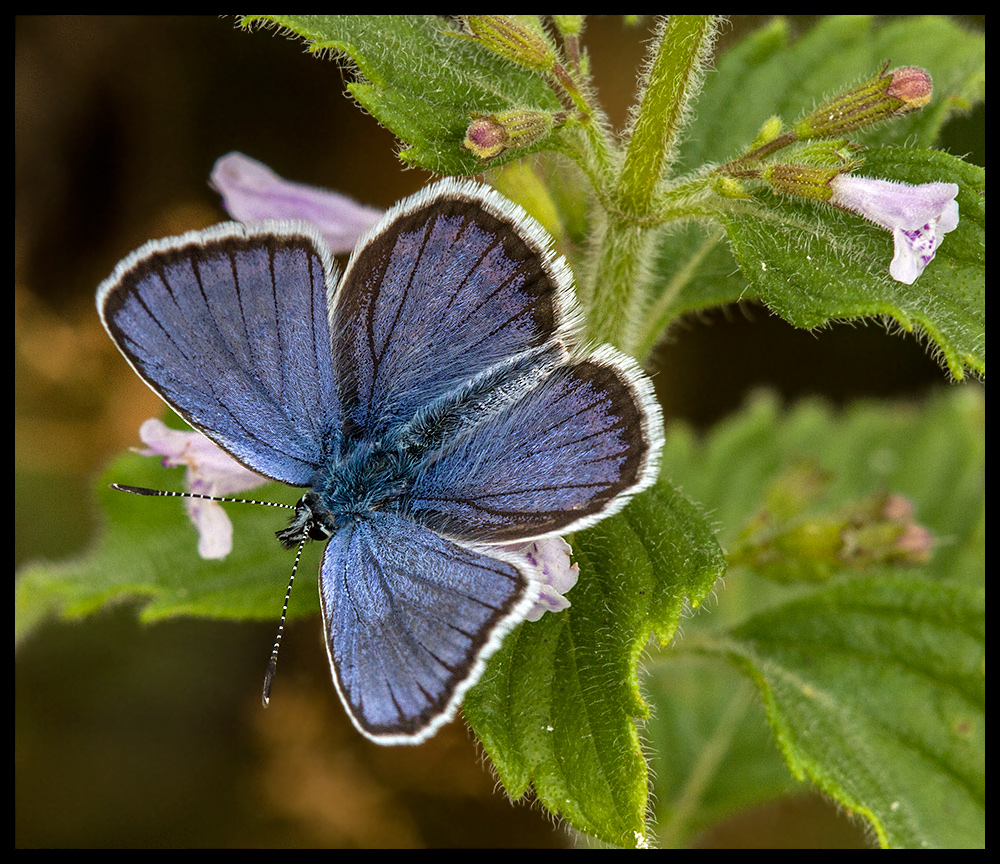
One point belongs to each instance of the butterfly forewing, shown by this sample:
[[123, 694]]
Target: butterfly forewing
[[230, 327]]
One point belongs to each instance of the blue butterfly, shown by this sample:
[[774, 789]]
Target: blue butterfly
[[434, 402]]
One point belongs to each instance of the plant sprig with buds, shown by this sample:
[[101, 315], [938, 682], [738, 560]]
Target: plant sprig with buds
[[651, 218]]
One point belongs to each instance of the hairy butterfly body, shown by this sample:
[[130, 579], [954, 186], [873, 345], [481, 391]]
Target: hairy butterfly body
[[433, 402]]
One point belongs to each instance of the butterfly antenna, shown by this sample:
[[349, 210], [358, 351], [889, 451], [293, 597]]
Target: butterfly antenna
[[272, 664], [142, 490]]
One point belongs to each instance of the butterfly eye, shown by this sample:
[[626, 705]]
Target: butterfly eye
[[318, 531]]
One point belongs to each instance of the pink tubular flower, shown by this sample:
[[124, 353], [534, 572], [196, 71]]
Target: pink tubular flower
[[551, 556], [252, 191], [917, 216], [211, 471]]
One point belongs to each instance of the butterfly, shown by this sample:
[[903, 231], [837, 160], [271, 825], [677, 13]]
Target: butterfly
[[434, 400]]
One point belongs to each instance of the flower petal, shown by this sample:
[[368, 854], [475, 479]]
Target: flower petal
[[251, 191], [550, 556], [914, 250], [918, 216], [211, 471], [215, 531]]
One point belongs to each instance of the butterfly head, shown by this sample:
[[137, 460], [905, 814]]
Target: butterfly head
[[312, 521]]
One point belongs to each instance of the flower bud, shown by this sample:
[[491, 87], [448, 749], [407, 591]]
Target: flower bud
[[884, 531], [729, 187], [911, 85], [513, 39], [768, 132], [489, 135], [801, 181], [914, 545], [888, 94], [568, 25]]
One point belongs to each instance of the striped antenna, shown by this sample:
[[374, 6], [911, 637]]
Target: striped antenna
[[272, 664], [142, 490]]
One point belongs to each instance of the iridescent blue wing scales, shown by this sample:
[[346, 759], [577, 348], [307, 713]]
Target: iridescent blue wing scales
[[229, 326], [453, 333], [451, 282], [411, 619], [556, 458], [438, 410]]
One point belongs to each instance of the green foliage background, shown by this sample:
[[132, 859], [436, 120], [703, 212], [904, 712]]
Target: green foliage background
[[888, 708]]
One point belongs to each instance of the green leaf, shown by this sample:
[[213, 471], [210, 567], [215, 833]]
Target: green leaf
[[695, 271], [558, 703], [423, 83], [873, 683], [875, 689], [844, 272], [148, 553]]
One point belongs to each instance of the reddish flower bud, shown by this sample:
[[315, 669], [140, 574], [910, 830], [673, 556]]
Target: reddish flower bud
[[911, 85], [888, 94], [489, 135]]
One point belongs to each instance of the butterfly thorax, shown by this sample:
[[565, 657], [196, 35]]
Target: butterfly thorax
[[377, 471], [370, 478]]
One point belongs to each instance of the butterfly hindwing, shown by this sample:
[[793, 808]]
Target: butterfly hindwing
[[557, 458], [450, 283], [230, 327], [410, 619]]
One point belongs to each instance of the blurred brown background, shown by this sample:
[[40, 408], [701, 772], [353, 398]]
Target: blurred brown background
[[132, 736]]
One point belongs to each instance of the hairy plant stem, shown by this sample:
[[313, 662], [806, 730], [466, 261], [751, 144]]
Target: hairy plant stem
[[618, 291]]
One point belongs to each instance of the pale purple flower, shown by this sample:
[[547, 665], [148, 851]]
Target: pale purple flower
[[251, 191], [211, 471], [551, 556], [917, 216]]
